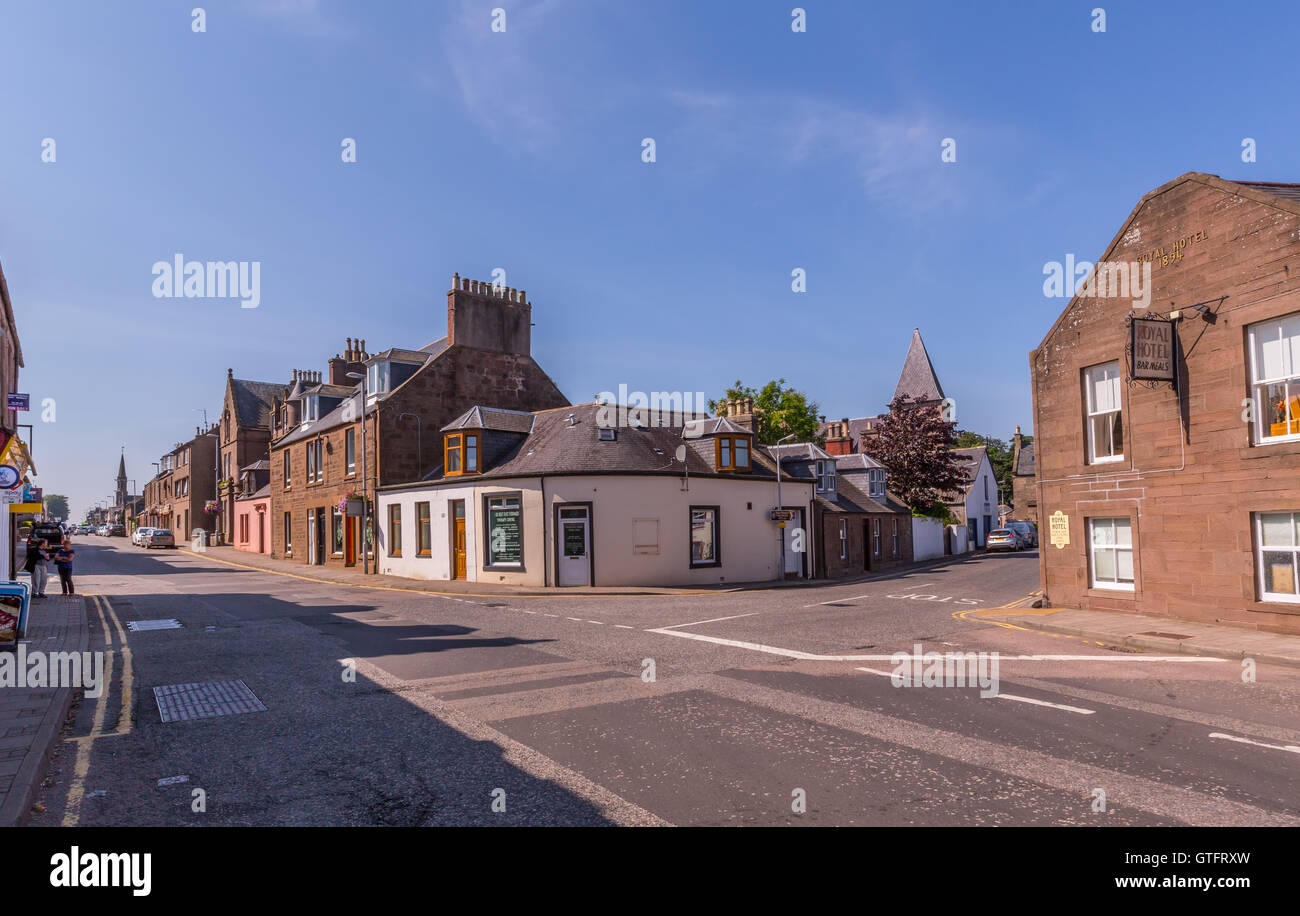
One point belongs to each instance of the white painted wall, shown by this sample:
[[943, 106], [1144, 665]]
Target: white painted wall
[[749, 548], [927, 538], [977, 506]]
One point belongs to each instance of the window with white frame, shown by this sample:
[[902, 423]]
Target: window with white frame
[[1102, 394], [311, 409], [1111, 545], [1275, 377], [895, 553], [875, 537], [825, 476], [844, 539], [876, 483], [1277, 550]]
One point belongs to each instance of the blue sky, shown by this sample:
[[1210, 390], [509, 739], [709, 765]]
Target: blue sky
[[522, 150]]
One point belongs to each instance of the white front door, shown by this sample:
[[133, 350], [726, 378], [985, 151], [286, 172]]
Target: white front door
[[311, 535], [575, 547]]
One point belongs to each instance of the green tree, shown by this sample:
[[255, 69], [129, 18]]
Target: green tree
[[778, 411], [56, 506], [915, 445], [1001, 455]]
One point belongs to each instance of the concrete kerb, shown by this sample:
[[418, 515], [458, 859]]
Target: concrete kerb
[[1155, 643]]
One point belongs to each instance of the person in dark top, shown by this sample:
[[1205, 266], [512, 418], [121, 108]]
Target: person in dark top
[[35, 564], [63, 561]]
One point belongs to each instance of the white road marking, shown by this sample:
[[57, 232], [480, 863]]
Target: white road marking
[[877, 671], [1277, 747], [578, 619], [598, 622], [623, 626], [712, 620], [814, 657], [1080, 710]]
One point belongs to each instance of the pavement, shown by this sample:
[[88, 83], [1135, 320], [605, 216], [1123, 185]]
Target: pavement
[[339, 703], [31, 718], [1161, 634]]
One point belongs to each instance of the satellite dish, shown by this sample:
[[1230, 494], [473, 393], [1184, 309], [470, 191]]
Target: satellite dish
[[681, 453]]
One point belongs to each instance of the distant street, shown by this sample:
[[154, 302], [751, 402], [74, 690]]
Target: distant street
[[462, 707]]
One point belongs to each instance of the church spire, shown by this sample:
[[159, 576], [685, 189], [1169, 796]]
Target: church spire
[[918, 380]]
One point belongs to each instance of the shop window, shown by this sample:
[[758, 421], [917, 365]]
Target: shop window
[[1110, 542], [1277, 551], [704, 536], [1275, 378], [505, 531], [1102, 393]]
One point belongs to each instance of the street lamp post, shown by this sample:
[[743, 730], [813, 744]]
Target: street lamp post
[[780, 528], [365, 481]]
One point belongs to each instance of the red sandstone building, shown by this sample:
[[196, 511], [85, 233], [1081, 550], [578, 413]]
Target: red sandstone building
[[1180, 498], [321, 455]]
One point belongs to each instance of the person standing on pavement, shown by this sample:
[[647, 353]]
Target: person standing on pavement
[[63, 562], [35, 564]]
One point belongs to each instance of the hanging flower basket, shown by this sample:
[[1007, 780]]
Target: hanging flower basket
[[352, 504], [212, 507]]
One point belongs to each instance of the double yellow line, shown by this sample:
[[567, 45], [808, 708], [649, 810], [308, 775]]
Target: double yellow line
[[81, 766]]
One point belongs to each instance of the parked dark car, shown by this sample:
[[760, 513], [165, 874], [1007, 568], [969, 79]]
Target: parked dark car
[[117, 531], [1028, 533], [48, 531]]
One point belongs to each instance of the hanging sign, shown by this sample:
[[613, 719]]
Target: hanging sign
[[1152, 350]]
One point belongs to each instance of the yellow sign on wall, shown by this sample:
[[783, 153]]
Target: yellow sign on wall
[[1059, 525]]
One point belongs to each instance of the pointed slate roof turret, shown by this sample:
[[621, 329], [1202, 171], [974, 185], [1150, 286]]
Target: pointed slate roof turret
[[918, 380]]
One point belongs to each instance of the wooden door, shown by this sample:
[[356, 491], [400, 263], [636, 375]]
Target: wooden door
[[350, 540], [458, 546]]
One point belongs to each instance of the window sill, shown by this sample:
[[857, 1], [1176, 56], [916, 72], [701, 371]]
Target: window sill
[[1274, 606], [1114, 459], [1111, 591]]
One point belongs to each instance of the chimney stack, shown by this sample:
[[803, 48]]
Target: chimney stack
[[485, 316]]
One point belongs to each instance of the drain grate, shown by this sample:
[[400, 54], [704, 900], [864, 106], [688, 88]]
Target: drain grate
[[1165, 635], [179, 702], [171, 623]]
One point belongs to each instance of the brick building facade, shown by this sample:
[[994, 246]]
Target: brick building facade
[[176, 496], [318, 456], [1180, 499], [245, 428]]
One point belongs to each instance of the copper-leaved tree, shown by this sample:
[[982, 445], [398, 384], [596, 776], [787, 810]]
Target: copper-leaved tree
[[915, 445]]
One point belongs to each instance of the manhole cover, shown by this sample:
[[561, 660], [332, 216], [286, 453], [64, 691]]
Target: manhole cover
[[170, 623], [177, 702], [1165, 635]]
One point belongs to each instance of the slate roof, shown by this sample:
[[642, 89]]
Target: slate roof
[[1025, 466], [259, 465], [427, 353], [918, 380], [711, 426], [263, 492], [972, 458], [848, 496], [554, 447], [513, 421], [857, 463], [797, 450], [1278, 189], [253, 401]]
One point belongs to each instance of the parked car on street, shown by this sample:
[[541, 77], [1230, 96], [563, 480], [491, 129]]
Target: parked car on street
[[48, 531], [1027, 531], [102, 531], [137, 536], [117, 531], [1003, 539], [158, 537]]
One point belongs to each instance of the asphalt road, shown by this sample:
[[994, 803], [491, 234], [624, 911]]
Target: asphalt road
[[748, 707]]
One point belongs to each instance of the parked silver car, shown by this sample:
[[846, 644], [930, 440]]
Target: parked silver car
[[158, 537]]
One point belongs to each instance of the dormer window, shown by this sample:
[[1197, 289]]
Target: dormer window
[[460, 454], [379, 377], [825, 476], [876, 483], [733, 453], [311, 408]]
